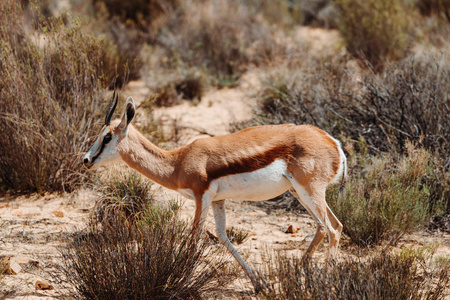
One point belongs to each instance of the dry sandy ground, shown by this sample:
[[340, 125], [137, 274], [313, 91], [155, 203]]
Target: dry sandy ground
[[33, 227]]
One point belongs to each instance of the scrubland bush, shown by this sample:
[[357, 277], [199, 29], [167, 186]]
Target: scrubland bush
[[374, 30], [122, 42], [288, 14], [150, 256], [409, 274], [150, 260], [408, 101], [389, 196], [50, 97]]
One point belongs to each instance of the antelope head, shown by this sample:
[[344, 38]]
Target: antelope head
[[104, 149]]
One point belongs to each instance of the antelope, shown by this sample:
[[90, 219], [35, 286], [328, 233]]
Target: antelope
[[255, 164]]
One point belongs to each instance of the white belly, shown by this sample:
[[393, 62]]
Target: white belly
[[258, 185]]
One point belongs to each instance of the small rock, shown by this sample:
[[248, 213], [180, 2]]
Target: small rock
[[294, 235], [22, 260], [291, 229], [43, 286], [309, 238], [59, 213], [15, 267], [11, 266]]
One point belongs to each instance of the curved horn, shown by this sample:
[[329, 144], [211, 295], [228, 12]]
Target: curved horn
[[111, 109]]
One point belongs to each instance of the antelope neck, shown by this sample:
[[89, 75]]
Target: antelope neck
[[146, 158]]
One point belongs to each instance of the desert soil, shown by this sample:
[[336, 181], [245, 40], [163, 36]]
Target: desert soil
[[33, 227]]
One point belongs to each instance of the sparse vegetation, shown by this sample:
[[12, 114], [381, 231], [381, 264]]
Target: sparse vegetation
[[438, 7], [190, 87], [409, 274]]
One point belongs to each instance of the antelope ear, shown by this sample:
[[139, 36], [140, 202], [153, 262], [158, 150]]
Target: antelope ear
[[128, 115]]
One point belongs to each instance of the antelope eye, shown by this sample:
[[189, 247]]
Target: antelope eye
[[107, 138]]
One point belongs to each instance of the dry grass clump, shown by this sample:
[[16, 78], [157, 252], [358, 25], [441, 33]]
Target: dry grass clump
[[409, 274], [50, 96], [288, 14], [122, 42], [374, 30], [389, 196], [155, 258], [125, 193], [237, 235]]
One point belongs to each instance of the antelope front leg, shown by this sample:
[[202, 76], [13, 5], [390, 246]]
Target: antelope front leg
[[220, 218]]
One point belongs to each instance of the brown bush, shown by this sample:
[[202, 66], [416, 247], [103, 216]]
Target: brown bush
[[50, 96], [190, 87], [153, 258]]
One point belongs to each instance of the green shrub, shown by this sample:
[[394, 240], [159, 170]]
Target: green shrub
[[50, 96], [410, 274], [126, 193], [155, 258], [387, 197], [374, 30]]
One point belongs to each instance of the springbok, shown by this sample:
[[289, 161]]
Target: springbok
[[254, 164]]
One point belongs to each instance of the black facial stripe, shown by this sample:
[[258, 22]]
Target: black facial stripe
[[100, 152]]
